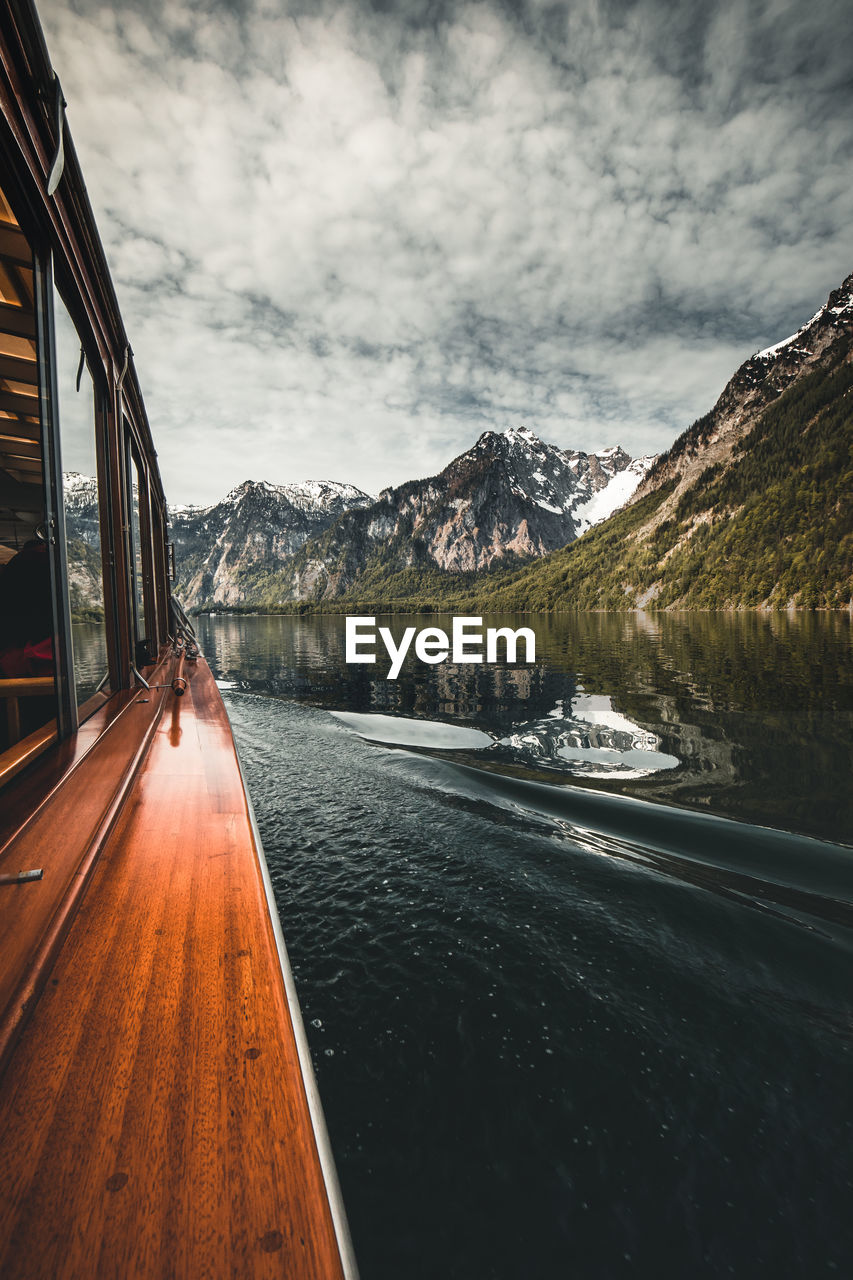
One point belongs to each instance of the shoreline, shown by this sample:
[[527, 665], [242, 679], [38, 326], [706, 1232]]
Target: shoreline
[[389, 608]]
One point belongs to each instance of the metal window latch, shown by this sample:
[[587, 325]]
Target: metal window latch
[[22, 877]]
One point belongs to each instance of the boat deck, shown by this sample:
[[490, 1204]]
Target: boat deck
[[154, 1120]]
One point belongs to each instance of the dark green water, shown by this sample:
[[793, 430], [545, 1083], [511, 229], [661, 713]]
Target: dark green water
[[568, 1018], [89, 640]]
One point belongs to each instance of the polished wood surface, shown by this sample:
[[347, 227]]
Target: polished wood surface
[[18, 804], [64, 837], [153, 1116], [23, 753]]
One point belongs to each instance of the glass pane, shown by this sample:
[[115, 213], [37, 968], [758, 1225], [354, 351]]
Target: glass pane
[[78, 423], [27, 686], [136, 534]]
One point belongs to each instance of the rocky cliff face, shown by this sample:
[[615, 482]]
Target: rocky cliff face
[[224, 552], [511, 495]]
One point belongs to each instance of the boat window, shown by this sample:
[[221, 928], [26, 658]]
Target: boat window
[[28, 700], [161, 569], [137, 516], [81, 421]]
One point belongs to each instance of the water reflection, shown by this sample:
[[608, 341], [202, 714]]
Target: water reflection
[[747, 715], [588, 738], [90, 657]]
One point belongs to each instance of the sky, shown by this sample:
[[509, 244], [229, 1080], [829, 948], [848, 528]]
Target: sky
[[347, 238]]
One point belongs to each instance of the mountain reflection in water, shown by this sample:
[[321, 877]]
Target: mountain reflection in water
[[562, 1032], [745, 715]]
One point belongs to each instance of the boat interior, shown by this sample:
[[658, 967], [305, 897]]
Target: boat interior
[[27, 684]]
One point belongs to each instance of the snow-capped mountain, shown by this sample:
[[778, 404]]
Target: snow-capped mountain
[[568, 483], [221, 549], [81, 507], [759, 381], [510, 495]]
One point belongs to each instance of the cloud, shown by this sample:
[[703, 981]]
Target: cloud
[[346, 240]]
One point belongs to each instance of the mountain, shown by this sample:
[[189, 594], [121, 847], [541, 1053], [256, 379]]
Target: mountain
[[510, 497], [83, 543], [751, 507], [225, 553], [756, 385], [81, 507]]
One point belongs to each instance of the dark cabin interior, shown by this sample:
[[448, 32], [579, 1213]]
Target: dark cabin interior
[[27, 687]]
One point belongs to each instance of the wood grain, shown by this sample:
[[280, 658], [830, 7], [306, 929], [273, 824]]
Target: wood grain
[[153, 1118], [64, 837], [31, 789], [23, 753]]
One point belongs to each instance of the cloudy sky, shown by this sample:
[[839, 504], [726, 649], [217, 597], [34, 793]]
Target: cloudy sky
[[349, 237]]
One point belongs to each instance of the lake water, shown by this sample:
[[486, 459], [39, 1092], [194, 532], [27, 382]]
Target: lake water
[[572, 940], [91, 663]]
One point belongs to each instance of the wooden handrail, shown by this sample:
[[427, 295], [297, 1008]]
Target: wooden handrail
[[22, 753], [26, 686]]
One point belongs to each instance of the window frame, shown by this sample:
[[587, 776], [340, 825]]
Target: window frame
[[66, 698], [101, 428], [143, 649]]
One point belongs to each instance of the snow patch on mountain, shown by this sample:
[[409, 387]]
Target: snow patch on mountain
[[840, 304], [613, 495], [77, 487]]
